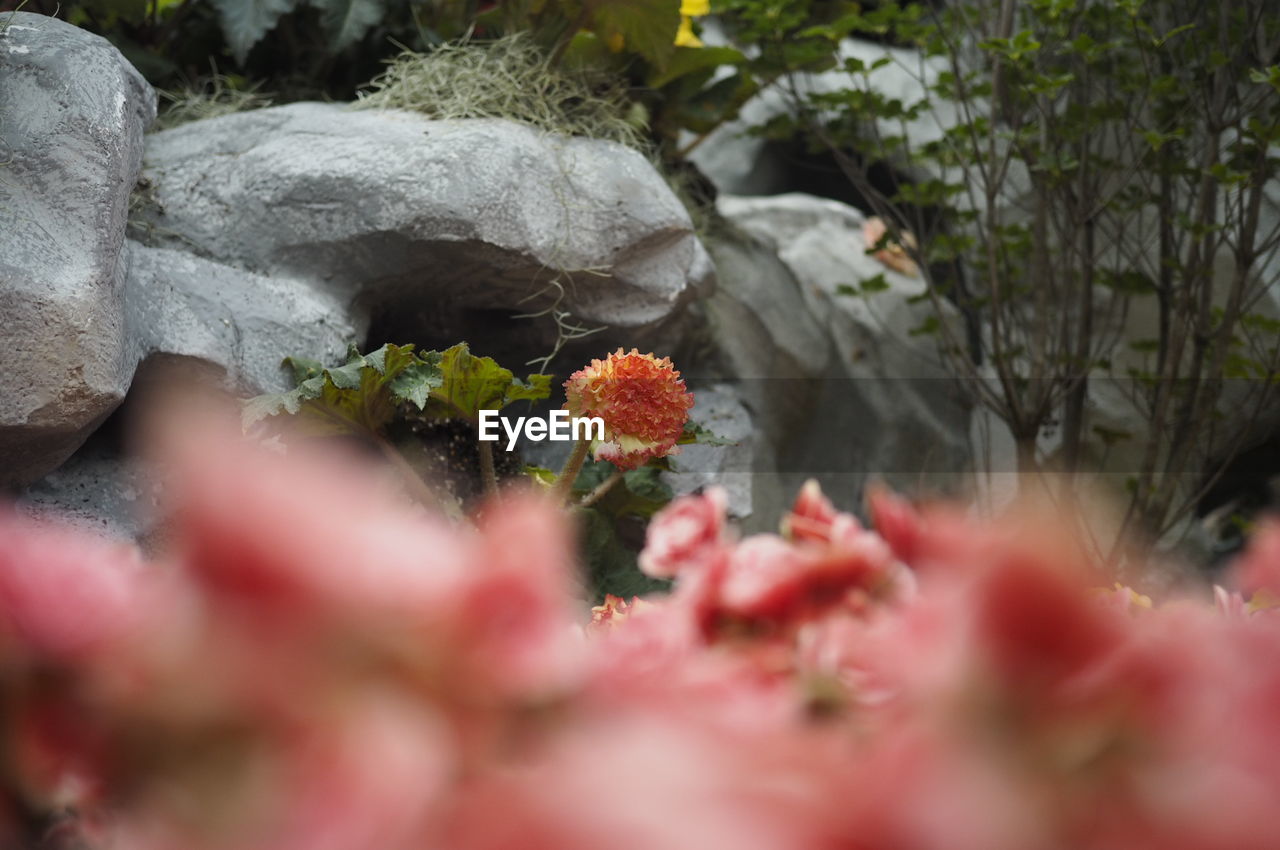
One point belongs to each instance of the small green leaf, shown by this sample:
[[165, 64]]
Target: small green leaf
[[930, 325], [875, 283], [695, 433], [1111, 436], [540, 474]]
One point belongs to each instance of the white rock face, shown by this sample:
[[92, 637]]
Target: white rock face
[[393, 211], [245, 324], [840, 387], [72, 117], [740, 164]]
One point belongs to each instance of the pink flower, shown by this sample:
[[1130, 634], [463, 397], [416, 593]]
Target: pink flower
[[686, 535], [813, 518], [1259, 568], [615, 610], [770, 579], [63, 592], [893, 254]]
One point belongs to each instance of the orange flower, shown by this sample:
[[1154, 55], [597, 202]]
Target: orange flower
[[642, 401], [616, 610], [893, 254]]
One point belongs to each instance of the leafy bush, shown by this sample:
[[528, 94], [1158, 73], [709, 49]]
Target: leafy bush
[[314, 662], [1100, 159]]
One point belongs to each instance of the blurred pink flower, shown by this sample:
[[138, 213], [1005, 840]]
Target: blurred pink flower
[[686, 535], [318, 665]]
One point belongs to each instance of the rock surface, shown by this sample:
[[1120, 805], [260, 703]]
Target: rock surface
[[72, 117], [839, 385], [179, 305], [742, 164], [99, 491], [409, 218], [719, 409]]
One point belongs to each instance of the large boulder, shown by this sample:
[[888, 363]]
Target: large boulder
[[72, 117], [182, 306], [421, 222], [843, 388]]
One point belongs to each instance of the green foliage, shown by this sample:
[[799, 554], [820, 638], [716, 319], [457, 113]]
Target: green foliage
[[695, 433], [246, 22], [363, 395], [360, 396], [606, 526], [1101, 157], [647, 27], [470, 384]]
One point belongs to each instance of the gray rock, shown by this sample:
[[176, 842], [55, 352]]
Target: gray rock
[[405, 216], [742, 164], [72, 117], [100, 491], [719, 409], [839, 387], [184, 306]]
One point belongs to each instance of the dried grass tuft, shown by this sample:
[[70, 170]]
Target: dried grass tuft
[[508, 78]]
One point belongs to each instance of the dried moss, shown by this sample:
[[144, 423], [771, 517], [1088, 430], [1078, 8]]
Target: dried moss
[[209, 97], [509, 78]]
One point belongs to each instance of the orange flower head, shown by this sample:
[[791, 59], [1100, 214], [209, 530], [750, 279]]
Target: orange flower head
[[642, 400]]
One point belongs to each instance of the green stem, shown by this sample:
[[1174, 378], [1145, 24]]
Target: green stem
[[601, 489], [417, 487], [564, 484], [487, 472]]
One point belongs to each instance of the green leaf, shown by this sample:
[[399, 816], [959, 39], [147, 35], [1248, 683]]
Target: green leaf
[[641, 492], [540, 475], [875, 283], [1111, 436], [302, 368], [647, 27], [611, 565], [1127, 282], [348, 21], [360, 396], [687, 60], [245, 22], [930, 325], [695, 433], [1269, 76], [470, 384], [706, 109]]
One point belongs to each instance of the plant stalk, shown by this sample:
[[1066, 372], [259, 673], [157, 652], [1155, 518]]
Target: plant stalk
[[602, 489], [564, 484], [487, 472]]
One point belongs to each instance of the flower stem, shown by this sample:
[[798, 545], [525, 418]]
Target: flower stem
[[572, 466], [601, 489], [418, 488], [487, 472]]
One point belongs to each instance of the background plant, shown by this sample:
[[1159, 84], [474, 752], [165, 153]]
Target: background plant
[[1103, 159], [419, 410]]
